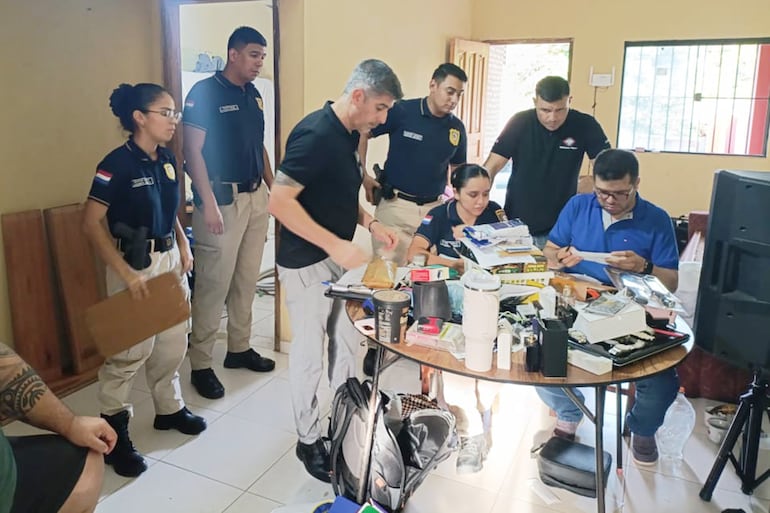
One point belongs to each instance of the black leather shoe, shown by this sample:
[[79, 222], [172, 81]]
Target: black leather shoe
[[207, 384], [371, 354], [315, 457], [249, 359], [183, 421]]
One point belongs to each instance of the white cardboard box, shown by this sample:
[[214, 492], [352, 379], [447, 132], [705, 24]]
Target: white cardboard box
[[594, 364], [597, 327]]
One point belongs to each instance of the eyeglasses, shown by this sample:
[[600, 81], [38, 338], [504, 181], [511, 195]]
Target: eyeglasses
[[168, 113], [615, 195]]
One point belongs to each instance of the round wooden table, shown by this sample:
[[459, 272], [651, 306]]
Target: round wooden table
[[576, 377]]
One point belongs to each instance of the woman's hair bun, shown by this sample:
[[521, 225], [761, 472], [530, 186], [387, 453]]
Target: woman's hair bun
[[121, 100]]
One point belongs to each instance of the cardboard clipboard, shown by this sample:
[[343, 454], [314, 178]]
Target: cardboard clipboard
[[120, 321]]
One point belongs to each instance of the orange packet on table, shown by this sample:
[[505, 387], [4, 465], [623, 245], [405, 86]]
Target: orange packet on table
[[380, 274], [584, 289]]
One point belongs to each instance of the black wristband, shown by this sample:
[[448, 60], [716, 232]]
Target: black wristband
[[648, 265]]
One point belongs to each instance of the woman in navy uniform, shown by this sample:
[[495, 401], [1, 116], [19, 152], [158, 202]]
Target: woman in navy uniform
[[136, 187], [470, 400], [440, 230]]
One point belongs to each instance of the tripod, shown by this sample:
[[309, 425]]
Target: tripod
[[748, 420]]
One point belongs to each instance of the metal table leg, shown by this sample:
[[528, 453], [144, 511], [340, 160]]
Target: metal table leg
[[597, 417], [374, 400], [619, 429], [601, 390]]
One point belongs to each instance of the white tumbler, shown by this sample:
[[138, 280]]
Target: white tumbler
[[481, 305]]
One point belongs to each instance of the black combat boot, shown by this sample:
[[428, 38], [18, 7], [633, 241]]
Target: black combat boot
[[124, 458]]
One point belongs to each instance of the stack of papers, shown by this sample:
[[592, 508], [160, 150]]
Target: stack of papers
[[495, 244], [512, 229], [509, 252]]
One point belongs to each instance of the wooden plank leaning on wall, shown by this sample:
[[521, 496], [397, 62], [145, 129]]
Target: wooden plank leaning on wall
[[36, 330], [79, 282]]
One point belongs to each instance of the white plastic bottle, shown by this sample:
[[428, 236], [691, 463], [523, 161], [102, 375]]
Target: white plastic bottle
[[676, 429]]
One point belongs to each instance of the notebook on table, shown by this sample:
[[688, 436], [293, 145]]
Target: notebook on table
[[629, 349]]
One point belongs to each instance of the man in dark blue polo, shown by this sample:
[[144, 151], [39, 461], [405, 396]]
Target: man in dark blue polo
[[225, 156], [546, 145], [425, 140]]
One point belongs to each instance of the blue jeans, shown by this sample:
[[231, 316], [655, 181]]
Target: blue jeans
[[653, 397]]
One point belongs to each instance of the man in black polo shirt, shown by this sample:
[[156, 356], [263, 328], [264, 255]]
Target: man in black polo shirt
[[426, 139], [225, 156], [315, 197], [546, 145]]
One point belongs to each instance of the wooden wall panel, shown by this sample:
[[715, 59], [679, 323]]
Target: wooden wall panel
[[36, 328], [78, 280]]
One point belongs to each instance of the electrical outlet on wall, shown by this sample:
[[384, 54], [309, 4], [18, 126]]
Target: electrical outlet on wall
[[601, 79]]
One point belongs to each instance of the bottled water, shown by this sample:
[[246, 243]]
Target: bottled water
[[676, 429]]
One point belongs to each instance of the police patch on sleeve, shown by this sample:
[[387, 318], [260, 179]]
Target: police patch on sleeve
[[454, 136], [500, 213], [426, 220], [259, 103], [168, 167]]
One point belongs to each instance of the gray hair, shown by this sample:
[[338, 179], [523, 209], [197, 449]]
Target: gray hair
[[375, 77]]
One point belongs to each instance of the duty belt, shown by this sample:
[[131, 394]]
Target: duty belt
[[249, 186], [420, 200], [161, 244]]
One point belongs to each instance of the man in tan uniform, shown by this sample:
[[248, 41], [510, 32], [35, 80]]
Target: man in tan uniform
[[224, 150]]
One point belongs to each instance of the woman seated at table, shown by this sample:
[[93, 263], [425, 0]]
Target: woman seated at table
[[440, 230], [468, 399]]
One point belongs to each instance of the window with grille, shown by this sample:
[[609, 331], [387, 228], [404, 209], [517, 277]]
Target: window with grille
[[696, 97]]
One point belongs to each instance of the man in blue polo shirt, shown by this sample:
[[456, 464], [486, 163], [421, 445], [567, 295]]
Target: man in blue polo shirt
[[546, 146], [640, 238], [224, 128], [322, 168], [426, 139]]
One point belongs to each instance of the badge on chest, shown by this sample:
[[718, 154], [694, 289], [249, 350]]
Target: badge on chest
[[168, 167]]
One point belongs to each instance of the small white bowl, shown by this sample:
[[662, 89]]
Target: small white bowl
[[717, 428]]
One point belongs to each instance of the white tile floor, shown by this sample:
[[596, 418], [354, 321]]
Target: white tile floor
[[245, 462]]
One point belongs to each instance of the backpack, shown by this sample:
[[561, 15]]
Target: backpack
[[409, 442]]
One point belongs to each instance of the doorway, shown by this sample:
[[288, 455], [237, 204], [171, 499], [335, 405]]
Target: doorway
[[514, 70]]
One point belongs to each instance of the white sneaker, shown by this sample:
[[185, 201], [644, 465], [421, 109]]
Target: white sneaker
[[473, 451]]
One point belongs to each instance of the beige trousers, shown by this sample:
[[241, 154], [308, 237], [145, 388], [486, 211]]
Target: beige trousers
[[404, 216], [226, 274], [312, 316], [161, 354]]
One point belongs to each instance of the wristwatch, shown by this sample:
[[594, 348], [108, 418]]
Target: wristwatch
[[648, 265]]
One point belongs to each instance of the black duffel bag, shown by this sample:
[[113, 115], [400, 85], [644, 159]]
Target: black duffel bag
[[571, 465]]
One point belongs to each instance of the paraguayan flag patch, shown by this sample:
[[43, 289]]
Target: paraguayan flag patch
[[103, 176], [426, 220]]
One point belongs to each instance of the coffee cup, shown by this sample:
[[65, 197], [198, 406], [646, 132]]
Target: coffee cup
[[391, 309]]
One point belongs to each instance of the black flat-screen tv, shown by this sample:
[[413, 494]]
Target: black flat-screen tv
[[732, 317]]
